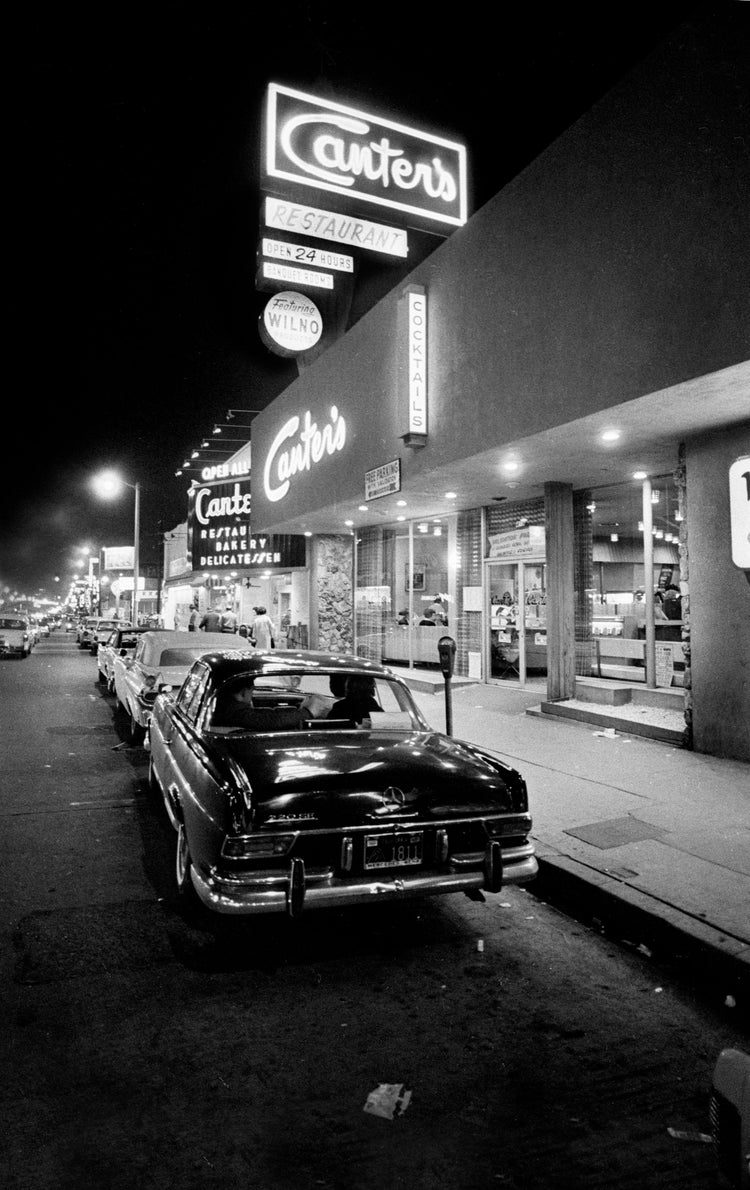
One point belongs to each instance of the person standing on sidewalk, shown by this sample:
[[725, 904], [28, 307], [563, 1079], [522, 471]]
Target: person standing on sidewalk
[[229, 620], [261, 631], [211, 621]]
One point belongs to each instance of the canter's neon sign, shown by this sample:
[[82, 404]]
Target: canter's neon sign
[[327, 146], [288, 458]]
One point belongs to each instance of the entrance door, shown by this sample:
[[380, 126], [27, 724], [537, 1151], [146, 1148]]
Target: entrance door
[[517, 621]]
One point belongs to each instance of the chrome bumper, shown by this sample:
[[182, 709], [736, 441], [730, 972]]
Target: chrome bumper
[[297, 889]]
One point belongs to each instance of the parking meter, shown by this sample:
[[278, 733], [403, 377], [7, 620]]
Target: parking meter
[[447, 655]]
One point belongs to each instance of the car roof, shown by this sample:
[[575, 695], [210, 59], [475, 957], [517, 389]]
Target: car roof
[[227, 662]]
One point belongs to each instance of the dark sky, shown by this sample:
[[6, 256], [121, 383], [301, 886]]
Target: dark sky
[[134, 212]]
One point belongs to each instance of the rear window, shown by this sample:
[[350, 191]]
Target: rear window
[[179, 656], [9, 622]]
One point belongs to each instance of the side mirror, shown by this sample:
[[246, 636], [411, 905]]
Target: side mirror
[[447, 655]]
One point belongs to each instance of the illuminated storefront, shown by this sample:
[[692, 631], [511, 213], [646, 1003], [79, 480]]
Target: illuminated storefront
[[572, 360]]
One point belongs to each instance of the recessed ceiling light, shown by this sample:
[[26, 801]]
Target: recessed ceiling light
[[363, 508], [614, 537], [640, 474], [400, 504], [400, 518], [349, 524], [308, 533], [610, 435], [511, 465], [451, 495]]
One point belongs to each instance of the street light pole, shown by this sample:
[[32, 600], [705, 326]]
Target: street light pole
[[136, 550]]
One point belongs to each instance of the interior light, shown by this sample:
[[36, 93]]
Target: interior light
[[610, 435], [423, 528], [451, 495], [655, 496], [614, 537], [437, 531], [678, 516], [400, 518], [659, 533]]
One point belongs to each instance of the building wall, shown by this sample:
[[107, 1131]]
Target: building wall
[[719, 600], [589, 281]]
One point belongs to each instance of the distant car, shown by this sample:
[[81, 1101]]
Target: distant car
[[84, 626], [70, 624], [44, 626], [15, 636], [162, 658], [284, 796], [34, 629], [729, 1111], [101, 631], [120, 642]]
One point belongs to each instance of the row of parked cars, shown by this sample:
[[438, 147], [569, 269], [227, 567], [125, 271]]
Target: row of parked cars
[[309, 780]]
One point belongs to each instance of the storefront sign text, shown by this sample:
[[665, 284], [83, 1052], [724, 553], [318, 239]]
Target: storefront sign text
[[292, 323], [287, 458], [341, 229], [739, 511], [417, 338], [383, 481], [517, 543], [316, 143], [305, 254]]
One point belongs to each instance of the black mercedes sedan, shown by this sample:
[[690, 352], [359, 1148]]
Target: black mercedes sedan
[[304, 780]]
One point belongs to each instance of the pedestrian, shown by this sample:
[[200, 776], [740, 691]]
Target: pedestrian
[[193, 618], [261, 631], [211, 621], [229, 620]]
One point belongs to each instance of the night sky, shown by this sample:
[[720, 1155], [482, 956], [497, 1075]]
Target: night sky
[[134, 213]]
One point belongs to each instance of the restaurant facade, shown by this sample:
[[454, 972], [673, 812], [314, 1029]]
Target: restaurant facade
[[546, 428]]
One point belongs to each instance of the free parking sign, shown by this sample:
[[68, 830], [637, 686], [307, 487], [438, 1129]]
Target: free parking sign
[[739, 511]]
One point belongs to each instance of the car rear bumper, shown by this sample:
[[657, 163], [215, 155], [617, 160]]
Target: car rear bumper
[[294, 889], [10, 650]]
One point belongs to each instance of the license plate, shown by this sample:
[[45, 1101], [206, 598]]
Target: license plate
[[393, 851]]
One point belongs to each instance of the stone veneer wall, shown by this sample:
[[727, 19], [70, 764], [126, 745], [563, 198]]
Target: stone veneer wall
[[331, 594]]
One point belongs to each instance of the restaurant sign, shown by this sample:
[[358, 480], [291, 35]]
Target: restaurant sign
[[291, 323], [527, 542], [314, 143], [220, 537]]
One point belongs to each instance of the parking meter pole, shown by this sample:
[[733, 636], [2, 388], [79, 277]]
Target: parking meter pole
[[447, 655]]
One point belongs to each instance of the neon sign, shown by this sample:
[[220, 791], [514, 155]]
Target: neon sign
[[312, 445], [327, 146]]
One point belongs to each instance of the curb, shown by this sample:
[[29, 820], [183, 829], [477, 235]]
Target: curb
[[648, 731], [594, 898]]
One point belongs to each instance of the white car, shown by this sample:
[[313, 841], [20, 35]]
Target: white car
[[162, 660], [84, 626], [101, 630], [16, 638]]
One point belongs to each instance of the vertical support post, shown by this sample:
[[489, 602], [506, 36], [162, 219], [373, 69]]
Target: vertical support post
[[561, 645], [648, 582]]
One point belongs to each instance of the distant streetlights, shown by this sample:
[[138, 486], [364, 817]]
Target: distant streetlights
[[108, 485]]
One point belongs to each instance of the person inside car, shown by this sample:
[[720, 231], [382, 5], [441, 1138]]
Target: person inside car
[[358, 701]]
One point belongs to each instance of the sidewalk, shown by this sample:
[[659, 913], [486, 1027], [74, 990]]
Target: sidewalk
[[644, 831]]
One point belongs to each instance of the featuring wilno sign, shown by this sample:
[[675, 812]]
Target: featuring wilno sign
[[321, 145], [383, 481]]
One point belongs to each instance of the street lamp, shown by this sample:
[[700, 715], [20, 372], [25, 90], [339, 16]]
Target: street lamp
[[108, 485]]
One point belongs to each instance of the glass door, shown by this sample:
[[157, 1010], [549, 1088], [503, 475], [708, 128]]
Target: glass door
[[504, 644], [535, 620], [517, 621]]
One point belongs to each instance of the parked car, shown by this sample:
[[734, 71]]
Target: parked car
[[120, 642], [15, 636], [84, 626], [44, 626], [296, 799], [101, 631], [729, 1111], [162, 659]]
